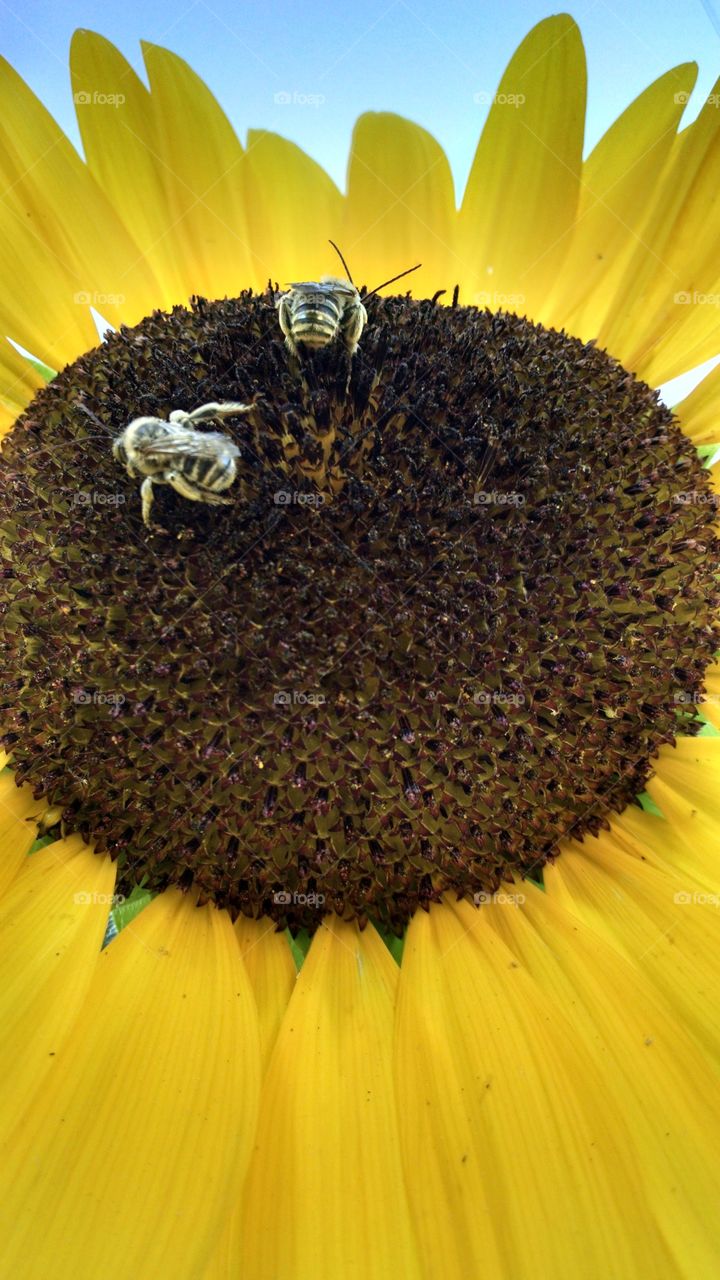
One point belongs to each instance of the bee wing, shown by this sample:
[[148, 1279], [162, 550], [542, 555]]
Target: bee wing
[[324, 286], [195, 444], [307, 286]]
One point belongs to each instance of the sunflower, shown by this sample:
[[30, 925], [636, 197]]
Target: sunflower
[[397, 772]]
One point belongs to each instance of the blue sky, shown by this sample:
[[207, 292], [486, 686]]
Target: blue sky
[[422, 58]]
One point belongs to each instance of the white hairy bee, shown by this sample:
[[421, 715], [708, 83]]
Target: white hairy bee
[[315, 313], [199, 465]]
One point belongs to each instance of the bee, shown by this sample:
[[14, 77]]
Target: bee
[[198, 465], [315, 313]]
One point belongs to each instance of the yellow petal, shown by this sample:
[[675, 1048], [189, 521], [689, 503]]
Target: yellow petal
[[619, 178], [685, 789], [453, 1200], [201, 169], [37, 304], [50, 192], [52, 922], [522, 193], [325, 1196], [677, 841], [515, 1154], [665, 317], [400, 207], [271, 970], [699, 413], [664, 1087], [19, 814], [292, 208], [18, 384], [130, 1157], [171, 164], [121, 149], [654, 918], [691, 766]]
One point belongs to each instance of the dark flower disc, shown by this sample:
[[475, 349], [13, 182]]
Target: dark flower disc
[[463, 593]]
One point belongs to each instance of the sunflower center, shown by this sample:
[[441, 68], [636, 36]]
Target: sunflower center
[[462, 593]]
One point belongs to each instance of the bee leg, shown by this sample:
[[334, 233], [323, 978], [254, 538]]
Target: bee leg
[[285, 320], [193, 492], [146, 494], [214, 499], [357, 319], [179, 416], [214, 410]]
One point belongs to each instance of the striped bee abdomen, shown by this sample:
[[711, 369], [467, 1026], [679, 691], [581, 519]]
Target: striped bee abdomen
[[315, 318], [211, 473]]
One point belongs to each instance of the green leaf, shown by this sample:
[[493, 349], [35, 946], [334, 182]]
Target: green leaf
[[37, 364], [394, 945], [40, 843], [43, 369], [299, 945], [124, 912], [708, 454], [649, 805]]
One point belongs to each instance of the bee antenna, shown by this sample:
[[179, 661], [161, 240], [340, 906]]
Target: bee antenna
[[394, 278], [332, 242]]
